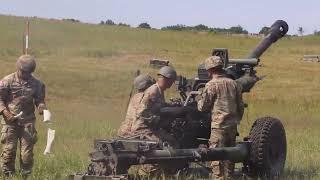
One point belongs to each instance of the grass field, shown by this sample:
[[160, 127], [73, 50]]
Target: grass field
[[88, 70]]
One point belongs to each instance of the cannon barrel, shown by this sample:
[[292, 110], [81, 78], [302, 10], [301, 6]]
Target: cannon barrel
[[239, 153], [130, 152], [277, 30], [250, 61]]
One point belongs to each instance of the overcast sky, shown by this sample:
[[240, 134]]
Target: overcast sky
[[251, 14]]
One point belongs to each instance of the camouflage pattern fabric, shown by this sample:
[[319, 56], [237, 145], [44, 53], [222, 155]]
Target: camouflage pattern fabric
[[212, 62], [27, 135], [148, 110], [146, 118], [126, 126], [17, 95], [223, 98], [223, 138]]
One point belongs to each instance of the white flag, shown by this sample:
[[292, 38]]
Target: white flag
[[50, 139], [46, 116]]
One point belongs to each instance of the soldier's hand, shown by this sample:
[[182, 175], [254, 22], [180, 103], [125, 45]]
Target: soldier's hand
[[19, 116], [8, 116], [41, 108]]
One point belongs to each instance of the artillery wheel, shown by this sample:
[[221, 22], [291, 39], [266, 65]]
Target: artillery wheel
[[268, 149]]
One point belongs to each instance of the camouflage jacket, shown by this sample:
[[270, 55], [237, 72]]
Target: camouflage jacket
[[223, 97], [148, 110], [17, 95], [131, 116]]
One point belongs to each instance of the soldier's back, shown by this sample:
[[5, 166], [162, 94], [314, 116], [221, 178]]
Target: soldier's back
[[225, 110]]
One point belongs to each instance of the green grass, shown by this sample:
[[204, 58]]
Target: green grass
[[88, 73]]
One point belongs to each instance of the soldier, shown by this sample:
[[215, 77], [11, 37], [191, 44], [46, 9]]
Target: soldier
[[147, 121], [20, 93], [140, 83], [147, 125], [223, 98]]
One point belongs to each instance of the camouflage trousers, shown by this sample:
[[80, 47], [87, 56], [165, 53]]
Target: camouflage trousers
[[10, 136], [223, 138]]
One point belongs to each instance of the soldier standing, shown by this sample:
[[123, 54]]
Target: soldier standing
[[140, 83], [222, 96], [20, 93]]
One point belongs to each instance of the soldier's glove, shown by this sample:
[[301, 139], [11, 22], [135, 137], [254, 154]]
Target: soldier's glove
[[41, 108], [8, 116]]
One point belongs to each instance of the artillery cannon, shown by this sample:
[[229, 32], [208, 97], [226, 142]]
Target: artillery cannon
[[262, 152]]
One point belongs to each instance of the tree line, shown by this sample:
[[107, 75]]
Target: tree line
[[200, 27], [234, 30]]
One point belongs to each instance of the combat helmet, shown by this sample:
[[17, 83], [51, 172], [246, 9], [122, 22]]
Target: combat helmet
[[168, 72], [26, 63], [212, 62], [143, 81]]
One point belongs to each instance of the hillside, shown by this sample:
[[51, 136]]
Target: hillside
[[88, 70]]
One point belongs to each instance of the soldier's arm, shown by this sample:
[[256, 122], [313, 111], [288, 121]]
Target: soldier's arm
[[4, 90], [39, 98], [145, 109], [207, 99]]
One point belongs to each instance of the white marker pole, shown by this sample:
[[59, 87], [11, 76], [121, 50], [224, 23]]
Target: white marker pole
[[26, 38]]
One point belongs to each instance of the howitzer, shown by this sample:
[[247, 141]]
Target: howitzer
[[262, 153], [193, 128]]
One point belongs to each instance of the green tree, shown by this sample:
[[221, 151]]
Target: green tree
[[109, 22], [316, 32], [238, 30], [124, 24], [201, 27], [264, 30], [300, 31], [144, 25], [178, 27]]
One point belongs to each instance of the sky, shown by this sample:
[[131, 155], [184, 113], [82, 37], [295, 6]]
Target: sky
[[250, 14]]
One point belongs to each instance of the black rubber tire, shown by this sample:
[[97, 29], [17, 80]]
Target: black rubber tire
[[268, 148]]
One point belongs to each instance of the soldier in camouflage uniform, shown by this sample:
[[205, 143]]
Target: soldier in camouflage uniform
[[141, 83], [223, 98], [20, 93], [147, 124]]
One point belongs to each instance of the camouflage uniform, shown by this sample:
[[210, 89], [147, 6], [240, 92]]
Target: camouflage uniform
[[146, 126], [141, 83], [17, 95], [147, 117], [125, 129], [222, 96]]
